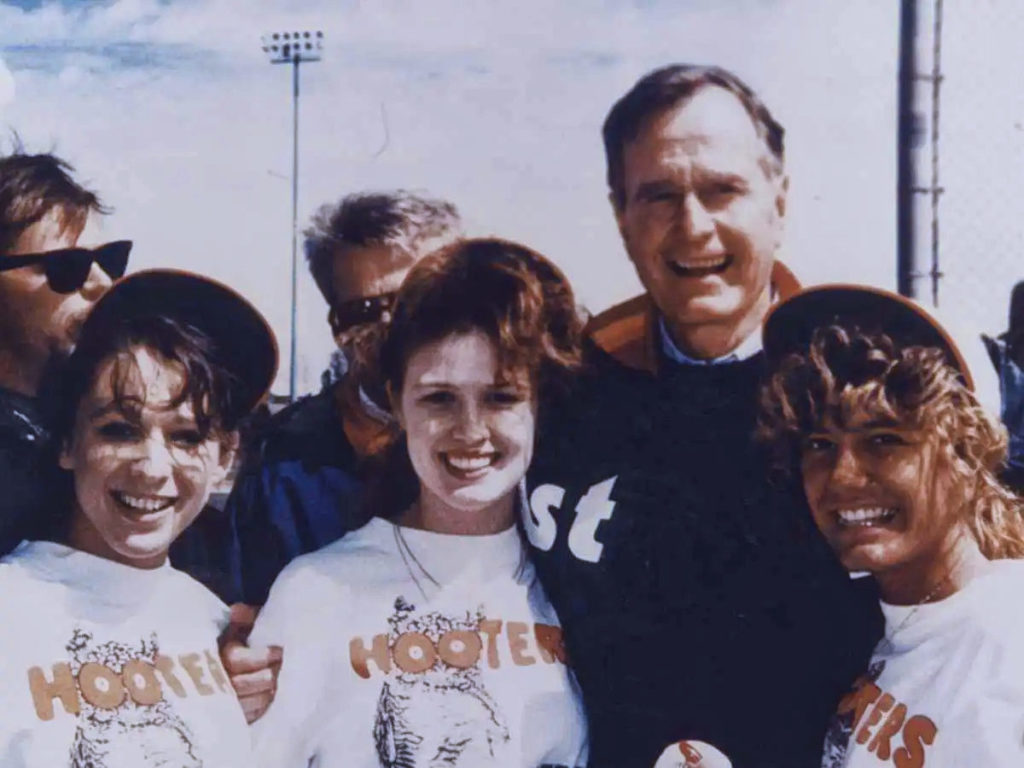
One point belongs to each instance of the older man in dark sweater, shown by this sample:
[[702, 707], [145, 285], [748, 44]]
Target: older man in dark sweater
[[697, 599]]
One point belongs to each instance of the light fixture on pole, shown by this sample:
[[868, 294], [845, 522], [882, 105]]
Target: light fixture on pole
[[294, 48]]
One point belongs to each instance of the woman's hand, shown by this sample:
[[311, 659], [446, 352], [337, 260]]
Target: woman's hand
[[253, 671]]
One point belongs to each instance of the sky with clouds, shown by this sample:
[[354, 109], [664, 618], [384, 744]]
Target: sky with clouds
[[171, 110]]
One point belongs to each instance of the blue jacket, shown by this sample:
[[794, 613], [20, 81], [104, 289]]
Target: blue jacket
[[1011, 395], [299, 491]]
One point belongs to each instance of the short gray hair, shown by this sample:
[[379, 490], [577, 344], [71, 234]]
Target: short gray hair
[[666, 87], [397, 219]]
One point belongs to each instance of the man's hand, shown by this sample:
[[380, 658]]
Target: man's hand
[[692, 754], [252, 671]]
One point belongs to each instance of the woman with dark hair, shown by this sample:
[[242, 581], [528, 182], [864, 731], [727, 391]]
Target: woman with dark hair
[[872, 403], [110, 654], [424, 637]]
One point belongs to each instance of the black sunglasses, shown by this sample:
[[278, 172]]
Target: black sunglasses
[[360, 311], [67, 269]]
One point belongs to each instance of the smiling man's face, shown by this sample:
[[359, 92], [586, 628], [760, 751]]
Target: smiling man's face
[[702, 218], [38, 324]]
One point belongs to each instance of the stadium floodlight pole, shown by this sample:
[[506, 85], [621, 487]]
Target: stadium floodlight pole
[[294, 48]]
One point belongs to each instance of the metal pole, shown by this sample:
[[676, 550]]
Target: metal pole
[[907, 267], [936, 190], [295, 217], [293, 48], [918, 188]]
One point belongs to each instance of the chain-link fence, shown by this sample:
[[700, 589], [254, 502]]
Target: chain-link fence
[[981, 159]]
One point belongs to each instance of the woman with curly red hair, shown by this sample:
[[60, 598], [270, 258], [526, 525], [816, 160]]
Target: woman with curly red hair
[[873, 404], [424, 638]]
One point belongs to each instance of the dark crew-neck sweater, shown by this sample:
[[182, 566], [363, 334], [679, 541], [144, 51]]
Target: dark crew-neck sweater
[[697, 598]]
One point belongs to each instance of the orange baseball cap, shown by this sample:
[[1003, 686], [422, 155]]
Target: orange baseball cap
[[790, 324], [243, 340]]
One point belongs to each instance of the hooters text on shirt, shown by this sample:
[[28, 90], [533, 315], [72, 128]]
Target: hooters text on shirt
[[140, 680], [499, 642], [878, 719]]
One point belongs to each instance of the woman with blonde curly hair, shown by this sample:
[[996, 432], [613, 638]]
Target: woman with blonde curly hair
[[872, 403]]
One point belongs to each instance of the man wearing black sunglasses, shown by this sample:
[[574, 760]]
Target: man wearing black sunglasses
[[300, 491], [51, 273]]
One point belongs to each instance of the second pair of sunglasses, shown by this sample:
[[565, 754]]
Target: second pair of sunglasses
[[67, 269], [369, 309]]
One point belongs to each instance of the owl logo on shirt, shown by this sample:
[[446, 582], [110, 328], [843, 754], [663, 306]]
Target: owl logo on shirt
[[840, 729], [127, 733], [443, 716]]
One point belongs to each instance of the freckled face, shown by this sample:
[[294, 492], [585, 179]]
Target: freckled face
[[881, 495], [470, 435], [142, 473]]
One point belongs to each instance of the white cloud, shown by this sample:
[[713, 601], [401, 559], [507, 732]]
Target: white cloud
[[6, 85]]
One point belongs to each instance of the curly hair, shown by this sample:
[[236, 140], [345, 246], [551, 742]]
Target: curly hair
[[511, 293], [846, 370], [515, 295]]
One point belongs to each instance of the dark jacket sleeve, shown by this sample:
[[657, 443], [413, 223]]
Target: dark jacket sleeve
[[258, 552], [282, 509]]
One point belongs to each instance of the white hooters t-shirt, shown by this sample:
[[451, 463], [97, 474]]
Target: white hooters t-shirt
[[945, 686], [107, 665], [405, 647]]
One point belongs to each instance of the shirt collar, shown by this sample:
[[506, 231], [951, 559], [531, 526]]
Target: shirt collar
[[749, 347], [374, 410]]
